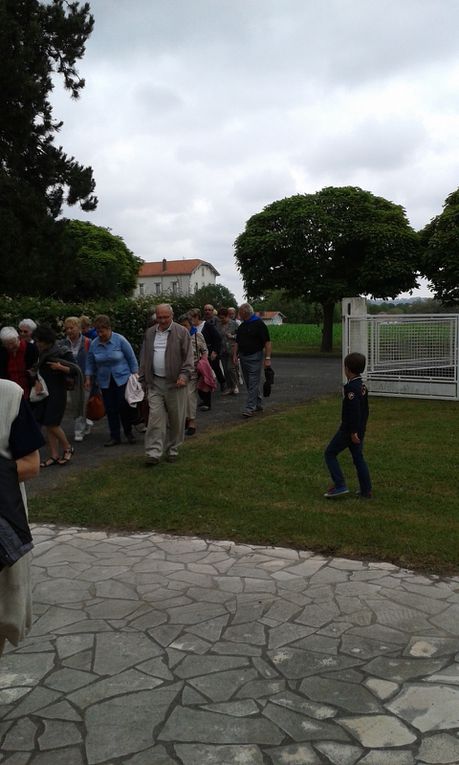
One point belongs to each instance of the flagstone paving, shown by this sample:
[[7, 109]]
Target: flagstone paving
[[156, 650]]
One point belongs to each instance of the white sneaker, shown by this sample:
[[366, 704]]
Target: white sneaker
[[236, 390], [78, 437], [87, 431]]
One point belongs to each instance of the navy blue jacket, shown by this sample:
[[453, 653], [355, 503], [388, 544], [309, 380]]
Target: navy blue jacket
[[354, 412]]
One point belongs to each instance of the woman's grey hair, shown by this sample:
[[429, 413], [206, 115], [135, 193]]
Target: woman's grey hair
[[8, 333], [193, 312], [247, 309], [28, 323]]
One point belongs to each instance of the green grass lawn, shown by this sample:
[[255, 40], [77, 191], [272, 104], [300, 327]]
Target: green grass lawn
[[262, 482], [301, 339]]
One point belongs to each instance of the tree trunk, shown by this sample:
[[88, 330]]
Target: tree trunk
[[327, 327]]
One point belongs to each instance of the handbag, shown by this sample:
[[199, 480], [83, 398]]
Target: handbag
[[95, 408], [15, 536], [34, 396]]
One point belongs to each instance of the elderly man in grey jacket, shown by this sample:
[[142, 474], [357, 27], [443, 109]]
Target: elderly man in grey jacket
[[166, 364]]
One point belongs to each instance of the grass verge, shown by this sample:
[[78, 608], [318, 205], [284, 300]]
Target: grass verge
[[302, 339], [262, 481]]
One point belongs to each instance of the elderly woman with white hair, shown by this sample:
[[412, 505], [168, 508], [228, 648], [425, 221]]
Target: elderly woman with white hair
[[17, 358], [26, 329]]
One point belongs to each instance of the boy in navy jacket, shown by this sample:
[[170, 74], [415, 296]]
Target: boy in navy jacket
[[354, 416]]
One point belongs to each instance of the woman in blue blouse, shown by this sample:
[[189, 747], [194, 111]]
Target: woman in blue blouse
[[110, 363]]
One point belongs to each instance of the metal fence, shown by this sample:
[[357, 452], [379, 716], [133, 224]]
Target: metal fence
[[413, 355]]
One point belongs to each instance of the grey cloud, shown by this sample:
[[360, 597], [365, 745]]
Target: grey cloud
[[197, 113], [374, 144]]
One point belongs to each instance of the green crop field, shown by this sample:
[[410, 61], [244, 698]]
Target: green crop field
[[298, 339]]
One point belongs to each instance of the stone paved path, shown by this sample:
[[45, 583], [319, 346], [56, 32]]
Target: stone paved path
[[155, 650]]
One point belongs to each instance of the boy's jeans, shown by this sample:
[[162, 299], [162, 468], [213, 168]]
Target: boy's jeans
[[338, 444]]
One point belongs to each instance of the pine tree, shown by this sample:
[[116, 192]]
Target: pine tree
[[37, 41]]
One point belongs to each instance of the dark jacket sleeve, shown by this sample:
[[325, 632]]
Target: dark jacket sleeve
[[212, 338], [351, 413]]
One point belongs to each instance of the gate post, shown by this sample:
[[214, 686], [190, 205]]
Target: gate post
[[355, 328]]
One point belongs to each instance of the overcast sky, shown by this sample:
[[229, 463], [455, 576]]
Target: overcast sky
[[198, 113]]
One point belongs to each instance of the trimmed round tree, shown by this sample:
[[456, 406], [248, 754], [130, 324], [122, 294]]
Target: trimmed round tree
[[338, 242], [440, 246]]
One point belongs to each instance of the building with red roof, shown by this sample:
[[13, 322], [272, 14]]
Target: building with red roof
[[174, 277]]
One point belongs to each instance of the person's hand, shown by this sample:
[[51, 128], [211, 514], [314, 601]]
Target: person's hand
[[38, 387], [355, 438], [181, 382], [267, 362], [213, 355], [56, 365], [87, 383]]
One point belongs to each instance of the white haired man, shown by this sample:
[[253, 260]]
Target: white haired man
[[166, 365], [253, 345]]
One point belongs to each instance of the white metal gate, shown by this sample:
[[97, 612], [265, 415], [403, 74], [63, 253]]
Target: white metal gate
[[415, 356]]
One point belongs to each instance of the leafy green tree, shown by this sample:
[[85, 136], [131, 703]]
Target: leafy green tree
[[215, 294], [440, 244], [325, 246], [38, 40], [93, 263]]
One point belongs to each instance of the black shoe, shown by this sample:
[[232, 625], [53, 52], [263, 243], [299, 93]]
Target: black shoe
[[190, 431], [113, 442], [130, 438], [172, 458]]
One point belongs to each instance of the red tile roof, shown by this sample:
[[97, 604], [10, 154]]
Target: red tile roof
[[269, 314], [173, 267]]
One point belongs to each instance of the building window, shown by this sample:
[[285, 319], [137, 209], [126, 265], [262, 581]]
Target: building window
[[157, 288], [203, 271], [141, 289], [174, 288]]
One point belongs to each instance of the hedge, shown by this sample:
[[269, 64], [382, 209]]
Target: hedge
[[129, 316]]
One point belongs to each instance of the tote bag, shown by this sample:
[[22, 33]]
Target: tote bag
[[95, 408]]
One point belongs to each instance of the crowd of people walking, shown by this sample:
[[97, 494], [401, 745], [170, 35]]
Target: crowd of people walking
[[181, 363]]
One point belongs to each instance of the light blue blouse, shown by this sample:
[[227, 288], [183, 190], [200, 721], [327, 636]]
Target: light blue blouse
[[113, 358]]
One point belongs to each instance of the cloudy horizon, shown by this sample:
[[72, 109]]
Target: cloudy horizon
[[198, 113]]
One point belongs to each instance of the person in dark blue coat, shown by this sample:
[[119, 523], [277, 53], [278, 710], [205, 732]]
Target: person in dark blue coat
[[351, 432]]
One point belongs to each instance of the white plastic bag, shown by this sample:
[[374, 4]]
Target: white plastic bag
[[39, 396]]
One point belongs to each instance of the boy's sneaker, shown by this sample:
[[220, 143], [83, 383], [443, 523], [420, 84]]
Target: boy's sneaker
[[333, 492], [363, 496]]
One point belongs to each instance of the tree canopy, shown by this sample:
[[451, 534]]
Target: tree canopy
[[440, 251], [338, 242], [38, 40], [93, 263], [215, 294]]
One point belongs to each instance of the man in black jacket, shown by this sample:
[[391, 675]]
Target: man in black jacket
[[253, 345]]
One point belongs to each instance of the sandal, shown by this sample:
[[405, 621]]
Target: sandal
[[67, 456], [49, 462]]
